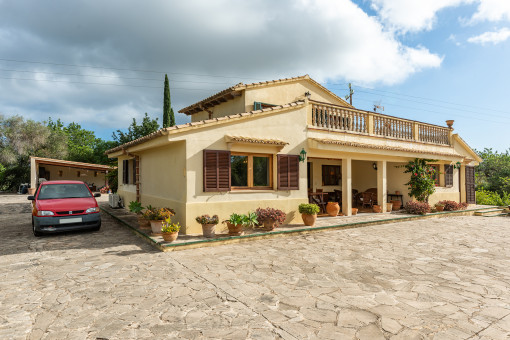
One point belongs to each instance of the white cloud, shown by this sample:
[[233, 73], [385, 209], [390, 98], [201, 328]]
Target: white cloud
[[492, 10], [248, 41], [495, 37], [412, 15]]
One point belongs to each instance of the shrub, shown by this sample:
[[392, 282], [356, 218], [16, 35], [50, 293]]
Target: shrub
[[206, 219], [308, 209], [270, 214], [421, 184], [452, 205], [492, 198], [169, 227], [417, 208], [135, 207], [158, 214]]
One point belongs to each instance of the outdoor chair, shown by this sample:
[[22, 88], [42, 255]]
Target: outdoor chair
[[367, 199]]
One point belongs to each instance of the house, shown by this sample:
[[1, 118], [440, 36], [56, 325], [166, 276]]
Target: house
[[267, 144], [57, 169]]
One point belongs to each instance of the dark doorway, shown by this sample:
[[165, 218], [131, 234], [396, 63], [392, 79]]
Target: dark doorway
[[470, 185]]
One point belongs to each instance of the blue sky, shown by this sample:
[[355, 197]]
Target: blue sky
[[428, 60]]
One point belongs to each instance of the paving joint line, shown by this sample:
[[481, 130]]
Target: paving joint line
[[492, 323], [236, 299]]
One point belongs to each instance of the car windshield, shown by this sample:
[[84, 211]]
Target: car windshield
[[52, 191]]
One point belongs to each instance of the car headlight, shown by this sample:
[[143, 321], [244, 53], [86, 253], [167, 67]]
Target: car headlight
[[92, 210], [45, 213]]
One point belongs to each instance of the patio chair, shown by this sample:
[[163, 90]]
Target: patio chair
[[367, 199], [317, 200]]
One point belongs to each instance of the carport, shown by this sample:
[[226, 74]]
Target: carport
[[56, 169]]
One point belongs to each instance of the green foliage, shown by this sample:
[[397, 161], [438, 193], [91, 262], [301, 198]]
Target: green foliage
[[169, 227], [136, 131], [250, 220], [135, 207], [158, 214], [308, 209], [422, 183], [20, 139], [235, 219], [493, 174], [113, 179], [168, 112], [487, 197], [206, 219]]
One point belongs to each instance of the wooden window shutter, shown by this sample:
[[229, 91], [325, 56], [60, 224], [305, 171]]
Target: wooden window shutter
[[125, 175], [216, 170], [134, 170], [288, 172], [448, 175], [470, 185]]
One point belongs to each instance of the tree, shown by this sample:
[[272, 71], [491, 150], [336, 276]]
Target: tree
[[136, 131], [493, 173], [422, 183], [168, 112], [20, 139]]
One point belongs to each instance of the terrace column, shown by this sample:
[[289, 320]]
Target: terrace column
[[382, 186], [347, 186], [462, 175]]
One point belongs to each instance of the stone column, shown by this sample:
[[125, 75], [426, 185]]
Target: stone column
[[347, 186], [33, 173], [462, 171], [382, 186]]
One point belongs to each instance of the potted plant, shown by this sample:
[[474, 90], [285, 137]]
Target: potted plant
[[156, 217], [377, 208], [270, 217], [235, 224], [333, 208], [136, 207], [439, 206], [208, 224], [170, 230], [250, 220], [309, 213]]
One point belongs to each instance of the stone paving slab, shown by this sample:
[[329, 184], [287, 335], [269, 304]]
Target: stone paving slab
[[443, 278]]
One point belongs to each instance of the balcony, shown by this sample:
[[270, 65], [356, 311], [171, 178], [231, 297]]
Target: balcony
[[342, 119]]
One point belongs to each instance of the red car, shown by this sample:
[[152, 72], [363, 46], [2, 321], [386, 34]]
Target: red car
[[64, 206]]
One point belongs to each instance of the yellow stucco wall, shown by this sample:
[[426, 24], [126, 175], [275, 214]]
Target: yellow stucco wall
[[68, 173], [229, 107]]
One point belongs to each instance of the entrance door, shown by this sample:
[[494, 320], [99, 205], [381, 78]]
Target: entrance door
[[470, 185], [309, 175]]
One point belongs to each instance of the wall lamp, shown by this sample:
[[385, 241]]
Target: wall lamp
[[374, 165], [308, 94], [302, 155]]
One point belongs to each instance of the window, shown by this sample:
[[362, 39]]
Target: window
[[260, 105], [436, 173], [125, 171], [250, 171], [331, 175], [448, 175]]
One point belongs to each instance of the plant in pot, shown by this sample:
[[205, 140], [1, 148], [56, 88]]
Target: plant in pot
[[208, 224], [170, 230], [235, 224], [309, 213], [332, 208], [157, 216], [270, 217], [439, 206], [136, 207], [250, 220]]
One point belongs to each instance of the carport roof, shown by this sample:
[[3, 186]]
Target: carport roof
[[60, 162]]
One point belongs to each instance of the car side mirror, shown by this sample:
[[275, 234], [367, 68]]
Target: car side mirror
[[97, 194], [31, 198]]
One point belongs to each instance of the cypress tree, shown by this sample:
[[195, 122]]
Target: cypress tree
[[168, 112]]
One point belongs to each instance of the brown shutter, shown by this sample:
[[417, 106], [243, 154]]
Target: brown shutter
[[470, 185], [288, 172], [125, 176], [216, 170], [134, 170], [448, 175]]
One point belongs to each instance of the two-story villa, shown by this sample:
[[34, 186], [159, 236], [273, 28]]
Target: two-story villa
[[268, 144]]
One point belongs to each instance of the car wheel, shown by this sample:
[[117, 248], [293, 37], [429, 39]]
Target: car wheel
[[36, 233]]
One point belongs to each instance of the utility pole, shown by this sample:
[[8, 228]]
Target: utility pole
[[351, 92]]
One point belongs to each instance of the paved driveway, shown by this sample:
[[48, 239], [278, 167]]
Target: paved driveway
[[442, 278]]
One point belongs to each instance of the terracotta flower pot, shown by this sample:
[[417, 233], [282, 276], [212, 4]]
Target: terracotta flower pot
[[170, 237], [396, 205], [269, 225], [309, 220], [209, 230], [354, 211], [156, 227], [377, 208], [332, 208], [439, 208], [389, 207], [143, 223], [235, 230], [397, 192]]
